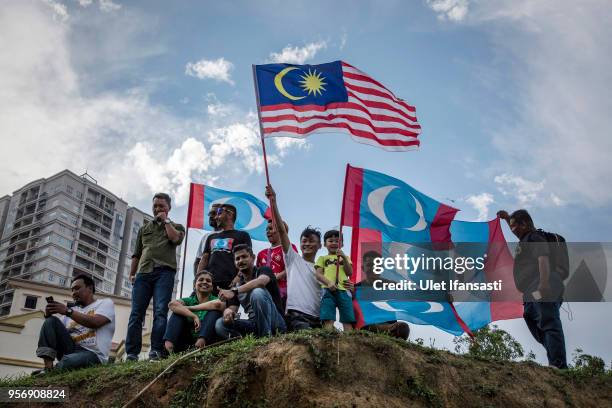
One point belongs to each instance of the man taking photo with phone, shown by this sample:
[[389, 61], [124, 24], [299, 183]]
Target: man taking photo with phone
[[82, 336]]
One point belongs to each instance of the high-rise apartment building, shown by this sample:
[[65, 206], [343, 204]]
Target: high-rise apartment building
[[64, 225], [133, 221], [4, 206]]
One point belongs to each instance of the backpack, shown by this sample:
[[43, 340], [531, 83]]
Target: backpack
[[559, 257]]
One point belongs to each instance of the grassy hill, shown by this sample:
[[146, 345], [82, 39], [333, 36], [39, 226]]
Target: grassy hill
[[325, 369]]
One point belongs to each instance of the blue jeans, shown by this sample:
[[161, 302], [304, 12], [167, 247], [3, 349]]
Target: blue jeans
[[55, 342], [157, 284], [544, 323], [179, 330], [267, 319]]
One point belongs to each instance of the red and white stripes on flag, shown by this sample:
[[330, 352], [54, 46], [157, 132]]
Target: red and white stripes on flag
[[372, 115]]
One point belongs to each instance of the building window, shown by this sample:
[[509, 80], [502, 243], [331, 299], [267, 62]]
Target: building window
[[69, 189], [30, 302], [51, 277], [79, 195], [62, 281]]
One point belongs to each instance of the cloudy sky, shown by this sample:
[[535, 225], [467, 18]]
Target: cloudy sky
[[513, 98]]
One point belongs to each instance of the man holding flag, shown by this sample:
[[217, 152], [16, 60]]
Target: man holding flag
[[303, 290]]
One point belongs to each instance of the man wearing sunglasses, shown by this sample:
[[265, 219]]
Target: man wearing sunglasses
[[217, 257], [212, 221]]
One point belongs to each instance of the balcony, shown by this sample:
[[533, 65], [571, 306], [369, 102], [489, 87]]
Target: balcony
[[98, 217], [31, 256], [7, 298], [20, 227], [95, 229], [81, 250]]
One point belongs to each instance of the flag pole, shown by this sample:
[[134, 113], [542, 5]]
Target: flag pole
[[340, 239], [261, 131], [189, 209], [184, 257]]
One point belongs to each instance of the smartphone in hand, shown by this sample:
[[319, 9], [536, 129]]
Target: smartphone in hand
[[49, 299]]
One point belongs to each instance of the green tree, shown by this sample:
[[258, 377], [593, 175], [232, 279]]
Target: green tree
[[586, 365], [491, 342]]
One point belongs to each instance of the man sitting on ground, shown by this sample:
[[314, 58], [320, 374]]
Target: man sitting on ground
[[83, 336], [393, 328], [257, 291]]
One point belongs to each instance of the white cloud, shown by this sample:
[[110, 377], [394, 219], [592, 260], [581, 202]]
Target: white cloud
[[218, 109], [59, 10], [297, 55], [218, 69], [525, 191], [108, 5], [223, 153], [558, 58], [51, 120], [343, 41], [174, 174], [105, 5], [453, 10], [287, 144], [481, 203], [556, 200]]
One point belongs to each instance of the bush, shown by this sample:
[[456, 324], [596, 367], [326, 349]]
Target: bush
[[491, 343], [586, 365]]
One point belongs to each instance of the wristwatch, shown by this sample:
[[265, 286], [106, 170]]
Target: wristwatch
[[167, 221], [235, 290], [69, 312]]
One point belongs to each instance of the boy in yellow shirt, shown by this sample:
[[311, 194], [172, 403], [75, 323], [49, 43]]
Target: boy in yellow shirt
[[334, 294]]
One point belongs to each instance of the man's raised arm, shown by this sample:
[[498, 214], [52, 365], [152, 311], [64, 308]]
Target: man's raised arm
[[278, 221]]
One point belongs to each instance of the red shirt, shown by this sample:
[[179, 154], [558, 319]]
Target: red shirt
[[273, 258]]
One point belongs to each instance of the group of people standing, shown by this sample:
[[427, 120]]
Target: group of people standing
[[278, 289]]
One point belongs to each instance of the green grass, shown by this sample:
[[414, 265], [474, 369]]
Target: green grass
[[232, 363]]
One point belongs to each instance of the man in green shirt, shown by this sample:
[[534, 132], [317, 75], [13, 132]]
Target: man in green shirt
[[152, 274]]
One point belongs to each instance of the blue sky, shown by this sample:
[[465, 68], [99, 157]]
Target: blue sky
[[512, 97]]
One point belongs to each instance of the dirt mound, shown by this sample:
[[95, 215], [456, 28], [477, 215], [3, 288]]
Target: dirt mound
[[321, 369]]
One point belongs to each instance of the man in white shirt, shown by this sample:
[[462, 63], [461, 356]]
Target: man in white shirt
[[303, 289], [83, 336]]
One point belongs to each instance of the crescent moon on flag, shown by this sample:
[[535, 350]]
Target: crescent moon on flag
[[385, 306], [376, 202], [278, 82], [256, 218], [434, 307], [421, 223]]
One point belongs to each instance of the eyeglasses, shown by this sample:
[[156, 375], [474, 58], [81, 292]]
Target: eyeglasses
[[221, 209]]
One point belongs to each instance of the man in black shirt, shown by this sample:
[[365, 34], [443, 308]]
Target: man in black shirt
[[257, 291], [541, 285], [217, 257]]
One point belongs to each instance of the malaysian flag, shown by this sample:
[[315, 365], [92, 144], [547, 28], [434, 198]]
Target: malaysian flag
[[298, 100]]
